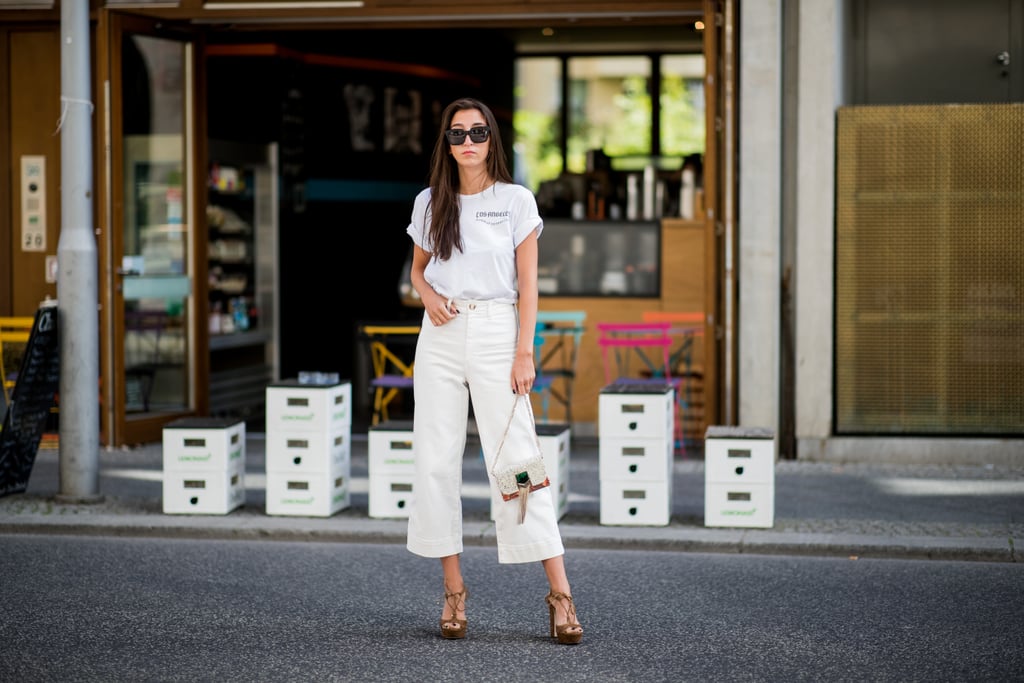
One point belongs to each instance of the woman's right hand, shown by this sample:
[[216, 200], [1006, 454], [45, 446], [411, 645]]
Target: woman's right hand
[[439, 310]]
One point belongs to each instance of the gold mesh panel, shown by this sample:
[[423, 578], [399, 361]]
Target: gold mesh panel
[[930, 270]]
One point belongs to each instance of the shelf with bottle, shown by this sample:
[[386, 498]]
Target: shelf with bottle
[[231, 257], [233, 315], [640, 188]]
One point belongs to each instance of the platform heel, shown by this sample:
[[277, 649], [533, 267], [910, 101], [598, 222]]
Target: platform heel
[[570, 632], [453, 628]]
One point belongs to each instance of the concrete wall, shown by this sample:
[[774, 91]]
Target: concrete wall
[[792, 72], [760, 215]]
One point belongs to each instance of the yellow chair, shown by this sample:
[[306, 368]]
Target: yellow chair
[[391, 373], [14, 333]]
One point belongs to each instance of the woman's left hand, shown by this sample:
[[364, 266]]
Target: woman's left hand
[[523, 374]]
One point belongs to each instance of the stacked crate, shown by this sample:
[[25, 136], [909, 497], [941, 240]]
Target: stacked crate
[[555, 447], [204, 466], [309, 455], [391, 468], [739, 477], [635, 446]]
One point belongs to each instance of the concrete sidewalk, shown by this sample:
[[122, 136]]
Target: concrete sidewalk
[[954, 512]]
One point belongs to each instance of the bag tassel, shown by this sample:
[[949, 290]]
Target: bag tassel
[[524, 494]]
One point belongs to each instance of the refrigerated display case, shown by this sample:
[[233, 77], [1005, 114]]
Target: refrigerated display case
[[604, 258], [242, 230]]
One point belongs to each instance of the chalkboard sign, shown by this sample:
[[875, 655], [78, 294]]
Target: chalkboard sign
[[33, 396]]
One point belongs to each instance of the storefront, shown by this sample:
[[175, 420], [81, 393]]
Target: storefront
[[212, 283], [864, 309]]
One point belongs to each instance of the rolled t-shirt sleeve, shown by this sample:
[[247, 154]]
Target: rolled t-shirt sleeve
[[525, 216], [417, 228]]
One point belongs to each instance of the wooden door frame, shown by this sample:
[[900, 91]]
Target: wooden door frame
[[720, 54], [6, 219], [116, 429]]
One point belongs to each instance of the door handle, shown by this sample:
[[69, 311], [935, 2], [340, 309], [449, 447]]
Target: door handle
[[1003, 60]]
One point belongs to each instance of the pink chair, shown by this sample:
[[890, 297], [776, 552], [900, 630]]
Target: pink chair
[[687, 326], [649, 344], [622, 343]]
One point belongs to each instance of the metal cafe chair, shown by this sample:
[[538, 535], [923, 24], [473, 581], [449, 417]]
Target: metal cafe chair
[[391, 373], [543, 381], [557, 345], [649, 344], [686, 327]]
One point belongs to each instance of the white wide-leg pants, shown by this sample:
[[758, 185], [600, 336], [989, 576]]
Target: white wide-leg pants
[[470, 357]]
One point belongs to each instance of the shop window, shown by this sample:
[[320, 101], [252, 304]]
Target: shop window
[[569, 107], [609, 108], [682, 105]]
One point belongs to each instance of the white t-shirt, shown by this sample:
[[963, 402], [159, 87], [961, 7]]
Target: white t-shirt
[[493, 223]]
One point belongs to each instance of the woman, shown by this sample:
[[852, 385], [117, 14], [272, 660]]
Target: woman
[[474, 267]]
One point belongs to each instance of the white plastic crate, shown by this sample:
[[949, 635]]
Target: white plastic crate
[[309, 495], [203, 444], [635, 503], [739, 477], [634, 458], [391, 495], [389, 448], [739, 505], [739, 460], [635, 453], [630, 410], [307, 452], [204, 492], [292, 406]]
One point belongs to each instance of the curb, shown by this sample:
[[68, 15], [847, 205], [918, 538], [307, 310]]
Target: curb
[[481, 534]]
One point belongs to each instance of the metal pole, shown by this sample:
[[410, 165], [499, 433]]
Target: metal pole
[[728, 76], [77, 300]]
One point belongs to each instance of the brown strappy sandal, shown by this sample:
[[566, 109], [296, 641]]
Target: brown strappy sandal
[[453, 628], [570, 632]]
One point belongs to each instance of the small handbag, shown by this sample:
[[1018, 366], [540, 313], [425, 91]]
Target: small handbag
[[517, 481]]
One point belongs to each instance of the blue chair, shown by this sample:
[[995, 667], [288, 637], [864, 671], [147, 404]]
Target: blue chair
[[559, 333], [542, 382]]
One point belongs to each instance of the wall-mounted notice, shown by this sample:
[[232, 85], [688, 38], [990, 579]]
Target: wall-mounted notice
[[33, 203]]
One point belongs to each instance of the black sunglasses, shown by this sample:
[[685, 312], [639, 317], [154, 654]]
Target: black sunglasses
[[457, 136]]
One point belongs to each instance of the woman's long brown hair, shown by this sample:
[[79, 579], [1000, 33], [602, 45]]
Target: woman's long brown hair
[[444, 234]]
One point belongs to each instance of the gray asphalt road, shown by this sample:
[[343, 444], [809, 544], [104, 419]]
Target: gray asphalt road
[[151, 609]]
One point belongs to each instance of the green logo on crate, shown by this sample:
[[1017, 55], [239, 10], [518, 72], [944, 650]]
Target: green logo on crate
[[339, 497], [340, 415], [297, 418], [298, 501], [398, 461], [235, 455], [739, 513], [194, 458]]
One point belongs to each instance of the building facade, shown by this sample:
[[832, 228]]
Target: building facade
[[830, 318]]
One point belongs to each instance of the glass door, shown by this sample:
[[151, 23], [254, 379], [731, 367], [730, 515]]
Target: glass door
[[152, 242]]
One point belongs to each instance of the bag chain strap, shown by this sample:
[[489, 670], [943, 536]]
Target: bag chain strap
[[533, 424]]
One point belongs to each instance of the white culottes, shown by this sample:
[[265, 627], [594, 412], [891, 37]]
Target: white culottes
[[470, 357]]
